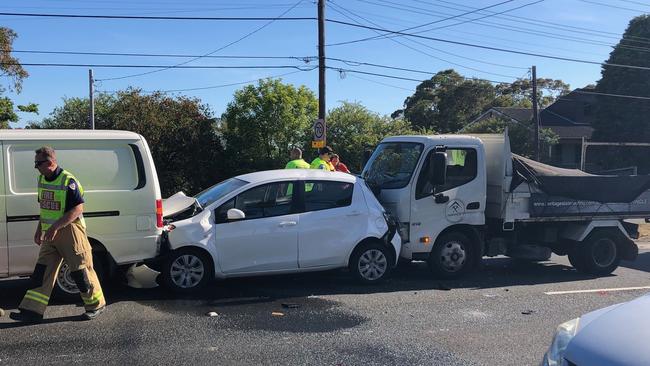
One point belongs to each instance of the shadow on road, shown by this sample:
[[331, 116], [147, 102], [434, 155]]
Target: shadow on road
[[642, 262], [496, 272]]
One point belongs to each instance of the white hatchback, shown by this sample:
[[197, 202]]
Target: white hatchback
[[275, 222]]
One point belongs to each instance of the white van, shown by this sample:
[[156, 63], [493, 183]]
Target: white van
[[123, 209]]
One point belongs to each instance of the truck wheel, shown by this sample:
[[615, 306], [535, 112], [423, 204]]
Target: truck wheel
[[451, 256], [65, 289], [597, 255], [371, 263], [187, 270]]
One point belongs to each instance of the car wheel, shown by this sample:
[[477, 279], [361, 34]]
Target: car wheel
[[371, 263], [598, 255], [451, 256], [187, 270], [65, 288]]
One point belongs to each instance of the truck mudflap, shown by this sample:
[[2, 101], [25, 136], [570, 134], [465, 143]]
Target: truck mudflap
[[629, 250]]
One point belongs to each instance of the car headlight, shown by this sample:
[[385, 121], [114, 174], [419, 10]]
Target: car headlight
[[563, 335]]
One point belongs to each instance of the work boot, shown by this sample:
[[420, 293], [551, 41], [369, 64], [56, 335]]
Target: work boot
[[92, 314], [26, 316]]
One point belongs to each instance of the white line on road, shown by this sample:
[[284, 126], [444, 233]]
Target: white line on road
[[597, 290]]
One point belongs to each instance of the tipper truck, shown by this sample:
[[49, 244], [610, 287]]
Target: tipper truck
[[458, 198]]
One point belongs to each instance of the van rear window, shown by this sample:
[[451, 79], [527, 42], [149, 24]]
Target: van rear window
[[99, 167]]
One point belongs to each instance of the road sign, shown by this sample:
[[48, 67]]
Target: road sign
[[320, 132]]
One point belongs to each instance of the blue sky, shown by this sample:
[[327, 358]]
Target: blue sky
[[516, 29]]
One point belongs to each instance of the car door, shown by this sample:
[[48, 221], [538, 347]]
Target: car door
[[333, 219], [267, 239], [461, 200]]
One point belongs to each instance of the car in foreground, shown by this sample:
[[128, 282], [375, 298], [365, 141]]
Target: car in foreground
[[614, 336], [277, 222]]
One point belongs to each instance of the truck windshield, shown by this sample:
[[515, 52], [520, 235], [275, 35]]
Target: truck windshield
[[217, 191], [392, 164]]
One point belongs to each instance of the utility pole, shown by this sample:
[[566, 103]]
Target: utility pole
[[321, 65], [91, 112], [535, 112]]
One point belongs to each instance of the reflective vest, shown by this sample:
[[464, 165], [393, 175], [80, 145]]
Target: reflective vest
[[52, 198], [319, 163], [297, 164]]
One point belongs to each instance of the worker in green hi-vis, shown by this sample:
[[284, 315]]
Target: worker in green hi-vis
[[297, 161]]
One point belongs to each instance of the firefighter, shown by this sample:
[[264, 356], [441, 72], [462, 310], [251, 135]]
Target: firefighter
[[323, 160], [61, 234], [297, 161]]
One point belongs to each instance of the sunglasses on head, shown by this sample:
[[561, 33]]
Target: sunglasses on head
[[38, 163]]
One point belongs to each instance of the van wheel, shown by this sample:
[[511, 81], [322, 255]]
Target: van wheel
[[370, 263], [65, 288], [187, 270], [452, 256], [597, 255]]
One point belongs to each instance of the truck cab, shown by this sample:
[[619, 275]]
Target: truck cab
[[435, 186]]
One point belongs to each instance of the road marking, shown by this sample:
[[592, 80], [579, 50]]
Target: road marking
[[597, 290]]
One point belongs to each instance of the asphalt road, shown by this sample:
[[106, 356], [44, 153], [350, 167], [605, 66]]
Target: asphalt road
[[498, 316]]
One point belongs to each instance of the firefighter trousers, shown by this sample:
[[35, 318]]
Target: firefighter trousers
[[70, 244]]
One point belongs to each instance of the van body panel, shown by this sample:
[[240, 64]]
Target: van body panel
[[4, 249], [120, 185]]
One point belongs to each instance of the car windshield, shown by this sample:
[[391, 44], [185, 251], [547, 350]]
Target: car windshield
[[217, 191], [392, 164]]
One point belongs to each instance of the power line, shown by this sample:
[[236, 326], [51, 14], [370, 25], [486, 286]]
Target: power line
[[635, 2], [612, 6], [444, 19], [532, 21], [381, 83], [500, 49], [218, 86], [133, 17], [172, 55], [211, 52], [45, 64], [427, 46], [416, 10]]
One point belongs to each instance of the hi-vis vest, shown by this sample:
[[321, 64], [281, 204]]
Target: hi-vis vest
[[52, 197]]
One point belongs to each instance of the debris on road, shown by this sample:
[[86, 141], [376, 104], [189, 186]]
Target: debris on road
[[277, 313], [290, 306], [212, 313], [528, 312], [2, 312]]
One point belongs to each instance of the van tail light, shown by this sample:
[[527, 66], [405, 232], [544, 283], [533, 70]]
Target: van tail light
[[159, 214]]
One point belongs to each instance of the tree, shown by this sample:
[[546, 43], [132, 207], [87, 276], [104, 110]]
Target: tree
[[520, 133], [11, 68], [180, 131], [448, 101], [625, 119], [264, 121], [352, 128]]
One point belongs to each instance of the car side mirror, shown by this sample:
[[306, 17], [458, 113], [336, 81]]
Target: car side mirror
[[438, 169], [235, 214]]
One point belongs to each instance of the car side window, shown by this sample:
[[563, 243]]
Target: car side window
[[323, 195], [275, 199], [461, 169]]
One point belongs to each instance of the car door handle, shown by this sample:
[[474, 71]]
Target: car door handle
[[287, 223], [354, 213]]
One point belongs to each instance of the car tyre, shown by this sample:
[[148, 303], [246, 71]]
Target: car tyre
[[597, 255], [187, 270], [371, 263], [451, 256]]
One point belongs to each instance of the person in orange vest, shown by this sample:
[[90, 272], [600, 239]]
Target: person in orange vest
[[338, 165]]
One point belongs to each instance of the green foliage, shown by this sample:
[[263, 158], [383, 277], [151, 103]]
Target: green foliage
[[521, 135], [448, 102], [264, 121], [11, 68], [180, 131], [623, 119], [352, 128]]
